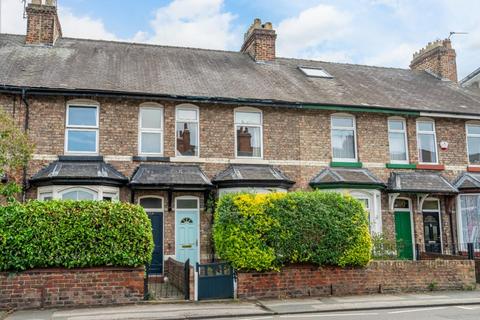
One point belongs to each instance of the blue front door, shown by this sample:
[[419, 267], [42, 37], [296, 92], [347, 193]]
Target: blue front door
[[187, 235], [156, 267]]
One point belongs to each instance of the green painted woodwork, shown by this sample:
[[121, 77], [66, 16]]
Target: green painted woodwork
[[403, 231], [361, 109], [401, 166], [335, 164]]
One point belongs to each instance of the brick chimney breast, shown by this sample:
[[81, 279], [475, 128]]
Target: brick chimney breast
[[437, 57], [259, 41], [43, 25]]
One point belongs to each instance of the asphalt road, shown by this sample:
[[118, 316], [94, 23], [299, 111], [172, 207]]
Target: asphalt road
[[434, 313]]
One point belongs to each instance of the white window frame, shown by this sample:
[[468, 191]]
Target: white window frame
[[151, 106], [424, 120], [56, 191], [439, 211], [404, 131], [177, 120], [68, 128], [248, 110], [459, 216], [354, 128], [473, 135]]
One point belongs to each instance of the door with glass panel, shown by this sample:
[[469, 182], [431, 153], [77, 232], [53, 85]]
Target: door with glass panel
[[154, 208], [431, 226], [186, 230]]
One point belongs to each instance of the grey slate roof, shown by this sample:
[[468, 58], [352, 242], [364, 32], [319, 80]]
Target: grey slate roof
[[77, 64], [341, 176], [79, 172], [467, 180], [249, 175], [170, 176], [419, 182]]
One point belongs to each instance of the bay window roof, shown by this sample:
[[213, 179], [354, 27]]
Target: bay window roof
[[79, 170], [250, 175], [467, 181], [170, 177], [419, 182], [346, 178]]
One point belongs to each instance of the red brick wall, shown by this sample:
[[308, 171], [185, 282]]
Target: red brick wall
[[174, 271], [75, 287], [379, 276]]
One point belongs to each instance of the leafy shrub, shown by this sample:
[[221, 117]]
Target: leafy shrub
[[264, 232], [72, 234]]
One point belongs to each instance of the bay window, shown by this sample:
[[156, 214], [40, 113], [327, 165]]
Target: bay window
[[397, 139], [427, 141], [343, 138], [151, 130], [473, 143], [187, 133], [248, 131], [469, 218], [81, 133], [77, 193]]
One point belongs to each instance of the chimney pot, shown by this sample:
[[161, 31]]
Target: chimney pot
[[437, 57]]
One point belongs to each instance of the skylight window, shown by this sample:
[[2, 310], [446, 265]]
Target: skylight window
[[315, 72]]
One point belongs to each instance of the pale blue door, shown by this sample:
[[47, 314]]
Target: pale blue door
[[187, 235]]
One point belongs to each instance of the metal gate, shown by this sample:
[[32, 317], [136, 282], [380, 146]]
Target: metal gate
[[215, 281]]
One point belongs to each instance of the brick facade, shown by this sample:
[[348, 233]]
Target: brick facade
[[379, 276], [296, 141], [70, 287]]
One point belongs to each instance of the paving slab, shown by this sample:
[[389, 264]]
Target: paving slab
[[147, 311], [378, 301]]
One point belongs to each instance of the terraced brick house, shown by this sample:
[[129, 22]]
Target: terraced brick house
[[170, 128]]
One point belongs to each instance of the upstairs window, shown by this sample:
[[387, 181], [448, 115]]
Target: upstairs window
[[248, 130], [473, 143], [344, 138], [187, 131], [81, 129], [427, 141], [151, 131], [397, 139]]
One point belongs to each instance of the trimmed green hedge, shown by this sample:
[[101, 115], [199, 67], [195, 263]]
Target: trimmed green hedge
[[264, 232], [71, 234]]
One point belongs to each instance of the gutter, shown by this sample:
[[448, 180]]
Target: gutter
[[206, 99]]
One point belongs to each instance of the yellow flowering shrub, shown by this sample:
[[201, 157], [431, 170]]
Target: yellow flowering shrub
[[266, 231]]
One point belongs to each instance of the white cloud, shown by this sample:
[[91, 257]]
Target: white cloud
[[73, 25], [193, 23], [311, 28], [12, 17], [399, 55]]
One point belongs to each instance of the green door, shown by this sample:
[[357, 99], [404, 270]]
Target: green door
[[403, 231]]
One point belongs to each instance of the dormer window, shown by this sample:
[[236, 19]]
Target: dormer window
[[315, 72]]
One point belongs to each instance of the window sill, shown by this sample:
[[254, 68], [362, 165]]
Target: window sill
[[401, 165], [79, 158], [438, 167], [150, 159], [338, 164], [473, 168]]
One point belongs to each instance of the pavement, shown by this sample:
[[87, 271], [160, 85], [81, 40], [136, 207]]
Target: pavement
[[354, 306]]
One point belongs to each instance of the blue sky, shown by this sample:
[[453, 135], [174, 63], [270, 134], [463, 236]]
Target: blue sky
[[375, 32]]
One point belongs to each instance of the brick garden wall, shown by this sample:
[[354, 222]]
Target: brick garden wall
[[70, 287], [379, 276], [174, 271]]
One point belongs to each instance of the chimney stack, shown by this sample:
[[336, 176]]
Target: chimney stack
[[43, 25], [437, 57], [259, 41]]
